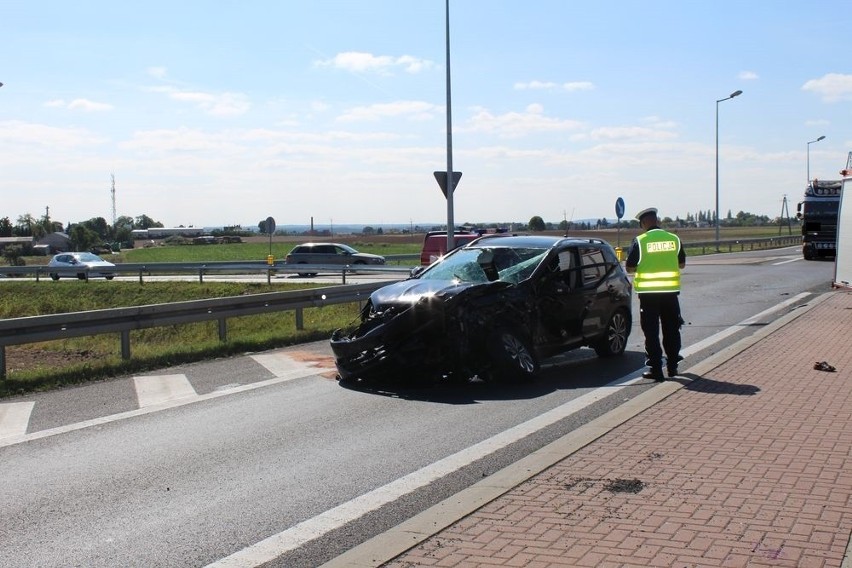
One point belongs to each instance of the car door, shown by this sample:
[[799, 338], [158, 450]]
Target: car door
[[65, 263], [593, 273], [561, 299]]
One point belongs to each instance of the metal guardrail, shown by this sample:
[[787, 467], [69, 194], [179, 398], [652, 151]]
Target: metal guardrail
[[142, 269], [17, 331], [747, 244]]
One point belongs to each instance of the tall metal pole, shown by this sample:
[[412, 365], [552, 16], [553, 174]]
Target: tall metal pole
[[451, 225], [732, 95], [809, 156]]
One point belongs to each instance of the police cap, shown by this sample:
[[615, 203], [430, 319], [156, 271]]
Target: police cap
[[648, 211]]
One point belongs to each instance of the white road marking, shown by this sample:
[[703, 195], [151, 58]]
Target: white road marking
[[787, 261], [278, 363], [157, 389], [15, 418], [315, 527], [11, 440]]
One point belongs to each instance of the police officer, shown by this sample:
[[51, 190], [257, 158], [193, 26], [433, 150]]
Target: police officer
[[656, 257]]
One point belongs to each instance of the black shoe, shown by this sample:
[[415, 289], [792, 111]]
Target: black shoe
[[656, 374], [672, 368]]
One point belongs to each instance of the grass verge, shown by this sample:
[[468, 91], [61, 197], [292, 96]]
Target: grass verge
[[47, 365]]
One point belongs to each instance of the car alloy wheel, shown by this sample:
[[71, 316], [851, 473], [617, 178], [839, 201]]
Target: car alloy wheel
[[512, 356], [614, 340]]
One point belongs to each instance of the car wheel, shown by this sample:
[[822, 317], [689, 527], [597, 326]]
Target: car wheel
[[614, 340], [54, 276], [110, 277], [306, 274], [511, 356]]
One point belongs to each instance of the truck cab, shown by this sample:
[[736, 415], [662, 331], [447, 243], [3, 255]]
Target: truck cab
[[818, 215]]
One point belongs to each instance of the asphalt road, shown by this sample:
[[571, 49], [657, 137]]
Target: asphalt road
[[265, 458]]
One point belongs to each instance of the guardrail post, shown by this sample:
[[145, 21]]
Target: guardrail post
[[300, 319], [2, 361], [223, 330], [125, 344], [344, 275], [201, 275]]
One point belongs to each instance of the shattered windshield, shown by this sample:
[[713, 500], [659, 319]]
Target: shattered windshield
[[487, 264]]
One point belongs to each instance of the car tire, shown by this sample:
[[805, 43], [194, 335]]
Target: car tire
[[110, 277], [306, 274], [512, 358], [613, 342], [54, 276]]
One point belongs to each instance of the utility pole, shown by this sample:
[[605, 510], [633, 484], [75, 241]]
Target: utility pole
[[112, 191]]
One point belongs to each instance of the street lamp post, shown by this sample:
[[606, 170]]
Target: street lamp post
[[809, 156], [732, 95]]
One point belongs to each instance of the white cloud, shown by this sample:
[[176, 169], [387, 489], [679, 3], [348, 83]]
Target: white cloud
[[79, 104], [157, 72], [630, 133], [214, 104], [657, 122], [535, 85], [551, 86], [413, 110], [361, 62], [748, 75], [18, 133], [516, 124], [833, 87], [578, 86]]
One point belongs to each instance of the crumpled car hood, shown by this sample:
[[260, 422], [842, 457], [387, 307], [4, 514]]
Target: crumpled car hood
[[411, 291]]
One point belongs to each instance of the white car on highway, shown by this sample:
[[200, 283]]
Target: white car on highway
[[82, 265]]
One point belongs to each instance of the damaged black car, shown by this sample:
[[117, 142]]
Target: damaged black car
[[491, 310]]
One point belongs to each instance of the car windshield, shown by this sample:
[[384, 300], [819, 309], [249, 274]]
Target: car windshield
[[487, 264], [348, 249]]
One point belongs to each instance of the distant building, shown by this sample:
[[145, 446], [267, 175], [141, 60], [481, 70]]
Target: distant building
[[163, 232], [54, 243], [26, 243]]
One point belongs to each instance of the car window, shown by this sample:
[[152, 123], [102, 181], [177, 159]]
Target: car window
[[594, 266]]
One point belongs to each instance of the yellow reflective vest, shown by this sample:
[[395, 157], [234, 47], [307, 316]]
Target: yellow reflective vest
[[658, 269]]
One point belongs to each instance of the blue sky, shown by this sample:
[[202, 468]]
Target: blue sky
[[227, 112]]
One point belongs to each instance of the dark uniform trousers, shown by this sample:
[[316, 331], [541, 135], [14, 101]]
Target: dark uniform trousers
[[656, 310]]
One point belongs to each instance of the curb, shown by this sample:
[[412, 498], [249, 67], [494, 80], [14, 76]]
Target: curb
[[386, 546]]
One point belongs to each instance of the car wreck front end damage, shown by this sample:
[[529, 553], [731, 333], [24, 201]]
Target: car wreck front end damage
[[436, 331]]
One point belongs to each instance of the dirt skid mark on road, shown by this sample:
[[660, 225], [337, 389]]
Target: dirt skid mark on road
[[324, 363]]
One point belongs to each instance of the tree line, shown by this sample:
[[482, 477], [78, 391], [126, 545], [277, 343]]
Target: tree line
[[84, 234]]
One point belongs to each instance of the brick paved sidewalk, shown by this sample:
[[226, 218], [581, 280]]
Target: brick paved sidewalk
[[748, 465]]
